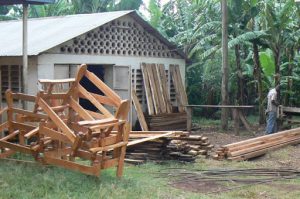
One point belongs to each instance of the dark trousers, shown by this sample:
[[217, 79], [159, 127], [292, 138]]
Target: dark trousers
[[271, 123]]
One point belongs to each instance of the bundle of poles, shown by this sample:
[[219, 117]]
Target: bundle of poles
[[258, 146]]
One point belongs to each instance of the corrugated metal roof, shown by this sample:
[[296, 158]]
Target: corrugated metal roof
[[48, 32], [11, 2]]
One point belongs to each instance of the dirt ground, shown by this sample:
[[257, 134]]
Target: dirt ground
[[286, 157]]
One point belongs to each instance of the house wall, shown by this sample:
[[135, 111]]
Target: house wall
[[46, 63]]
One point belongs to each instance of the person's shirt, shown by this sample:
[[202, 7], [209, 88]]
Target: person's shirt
[[272, 96]]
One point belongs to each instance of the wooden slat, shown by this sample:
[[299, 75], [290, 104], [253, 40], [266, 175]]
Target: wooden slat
[[89, 170], [96, 122], [25, 97], [54, 135], [181, 86], [102, 99], [78, 109], [57, 81], [32, 132], [58, 121], [150, 104], [149, 138], [164, 87], [153, 88], [103, 87], [157, 83], [22, 126], [28, 113], [139, 111], [177, 89], [97, 104], [15, 147], [10, 136], [108, 148]]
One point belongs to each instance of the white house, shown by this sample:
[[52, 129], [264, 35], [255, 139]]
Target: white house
[[113, 44]]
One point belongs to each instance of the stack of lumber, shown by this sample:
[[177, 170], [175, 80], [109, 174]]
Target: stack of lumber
[[258, 146], [163, 122], [184, 148], [160, 111]]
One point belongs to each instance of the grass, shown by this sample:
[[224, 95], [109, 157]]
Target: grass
[[29, 181]]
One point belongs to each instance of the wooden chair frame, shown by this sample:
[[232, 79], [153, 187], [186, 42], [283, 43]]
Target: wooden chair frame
[[63, 131]]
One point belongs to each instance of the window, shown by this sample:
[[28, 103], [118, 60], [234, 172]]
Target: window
[[11, 78]]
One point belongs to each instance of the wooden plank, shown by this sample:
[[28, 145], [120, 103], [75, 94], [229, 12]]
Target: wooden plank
[[31, 114], [22, 126], [134, 142], [264, 151], [108, 148], [139, 111], [57, 120], [15, 147], [57, 81], [157, 83], [10, 103], [94, 101], [25, 97], [262, 146], [102, 99], [177, 89], [296, 130], [10, 136], [103, 87], [164, 86], [54, 135], [89, 170], [78, 109], [32, 132], [123, 110], [181, 86], [153, 89], [150, 104], [96, 122]]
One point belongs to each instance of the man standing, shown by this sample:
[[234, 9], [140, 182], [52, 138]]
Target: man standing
[[272, 110]]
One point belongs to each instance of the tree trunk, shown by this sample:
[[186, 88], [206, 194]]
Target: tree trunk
[[289, 80], [257, 69], [277, 55], [240, 92], [224, 88]]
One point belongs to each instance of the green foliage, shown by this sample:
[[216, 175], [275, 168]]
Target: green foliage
[[267, 62]]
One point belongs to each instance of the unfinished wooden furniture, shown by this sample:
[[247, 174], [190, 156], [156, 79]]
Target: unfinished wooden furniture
[[237, 115], [258, 146], [59, 131]]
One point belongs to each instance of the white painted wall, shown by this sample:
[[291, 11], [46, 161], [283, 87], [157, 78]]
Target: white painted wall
[[46, 64]]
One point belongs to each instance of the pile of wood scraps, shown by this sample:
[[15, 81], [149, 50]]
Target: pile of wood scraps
[[58, 131], [161, 113], [172, 145], [258, 146]]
